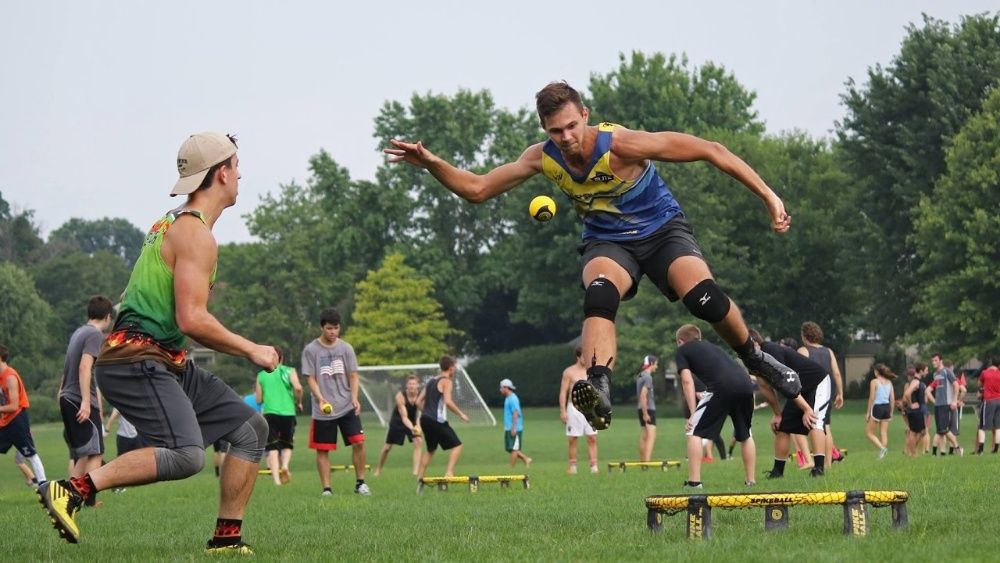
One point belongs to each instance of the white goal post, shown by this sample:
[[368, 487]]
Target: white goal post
[[379, 385]]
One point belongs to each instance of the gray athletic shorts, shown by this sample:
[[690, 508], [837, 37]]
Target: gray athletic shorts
[[991, 414], [171, 411]]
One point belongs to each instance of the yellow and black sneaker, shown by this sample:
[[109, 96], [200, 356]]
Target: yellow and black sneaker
[[238, 548], [62, 503]]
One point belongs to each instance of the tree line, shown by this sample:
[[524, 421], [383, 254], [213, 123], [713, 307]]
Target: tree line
[[893, 238]]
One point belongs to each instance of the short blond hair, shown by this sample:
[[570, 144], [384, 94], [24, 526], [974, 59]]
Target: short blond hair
[[688, 333]]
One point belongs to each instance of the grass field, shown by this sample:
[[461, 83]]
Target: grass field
[[952, 507]]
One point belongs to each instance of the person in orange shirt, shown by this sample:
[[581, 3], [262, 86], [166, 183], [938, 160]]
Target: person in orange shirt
[[15, 428]]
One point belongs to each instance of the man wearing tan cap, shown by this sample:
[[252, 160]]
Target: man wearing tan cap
[[143, 369]]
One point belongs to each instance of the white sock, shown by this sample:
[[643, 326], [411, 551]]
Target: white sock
[[37, 467]]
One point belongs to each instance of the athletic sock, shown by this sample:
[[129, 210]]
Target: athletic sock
[[779, 467], [91, 500], [227, 532], [216, 470], [934, 450], [951, 450], [819, 460], [84, 486], [358, 483], [745, 349], [996, 447], [979, 448]]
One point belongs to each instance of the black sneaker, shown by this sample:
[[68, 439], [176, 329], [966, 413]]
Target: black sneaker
[[593, 397], [62, 502], [780, 376], [773, 474], [693, 485], [816, 472]]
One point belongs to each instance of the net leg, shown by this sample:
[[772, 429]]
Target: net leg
[[899, 517], [699, 521], [473, 483], [654, 520], [775, 517], [855, 516]]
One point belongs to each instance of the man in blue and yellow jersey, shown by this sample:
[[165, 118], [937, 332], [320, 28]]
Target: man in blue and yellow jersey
[[143, 369], [632, 226]]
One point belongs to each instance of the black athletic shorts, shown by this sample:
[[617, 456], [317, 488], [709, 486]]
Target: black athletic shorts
[[438, 434], [915, 420], [712, 410], [652, 417], [881, 411], [650, 256], [18, 434], [280, 431], [323, 433], [83, 438], [397, 434], [819, 400], [942, 418], [125, 445]]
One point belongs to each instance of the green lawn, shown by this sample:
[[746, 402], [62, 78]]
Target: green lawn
[[562, 517]]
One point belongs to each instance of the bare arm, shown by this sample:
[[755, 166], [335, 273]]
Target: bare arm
[[446, 392], [643, 395], [191, 249], [84, 372], [513, 423], [13, 395], [871, 397], [293, 377], [472, 187], [668, 146], [401, 409], [687, 386], [355, 381], [838, 381], [563, 395], [314, 389]]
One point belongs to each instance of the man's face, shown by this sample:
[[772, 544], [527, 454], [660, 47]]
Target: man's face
[[331, 332], [231, 178], [936, 360], [566, 128], [412, 386]]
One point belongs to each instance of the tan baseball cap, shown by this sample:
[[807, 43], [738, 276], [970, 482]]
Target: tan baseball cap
[[199, 153]]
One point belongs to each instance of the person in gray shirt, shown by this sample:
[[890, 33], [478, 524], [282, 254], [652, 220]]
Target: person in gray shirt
[[331, 368], [646, 408], [79, 402]]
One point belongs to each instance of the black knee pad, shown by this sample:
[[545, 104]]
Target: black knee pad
[[248, 440], [601, 299], [707, 301], [178, 463]]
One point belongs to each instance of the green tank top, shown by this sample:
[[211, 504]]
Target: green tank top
[[147, 305], [276, 388]]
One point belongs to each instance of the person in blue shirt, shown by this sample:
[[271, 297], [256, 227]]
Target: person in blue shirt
[[513, 424]]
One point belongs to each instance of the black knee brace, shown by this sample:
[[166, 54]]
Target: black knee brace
[[248, 440], [601, 300], [707, 301]]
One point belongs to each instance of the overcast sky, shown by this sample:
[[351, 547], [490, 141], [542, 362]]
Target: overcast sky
[[96, 97]]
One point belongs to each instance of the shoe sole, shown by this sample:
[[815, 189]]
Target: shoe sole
[[585, 399], [54, 517]]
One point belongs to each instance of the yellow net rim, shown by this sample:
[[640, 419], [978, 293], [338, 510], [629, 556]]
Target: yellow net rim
[[740, 500]]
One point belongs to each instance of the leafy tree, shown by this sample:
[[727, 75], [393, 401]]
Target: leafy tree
[[956, 234], [397, 320], [118, 236], [19, 240], [894, 137], [27, 324], [69, 280]]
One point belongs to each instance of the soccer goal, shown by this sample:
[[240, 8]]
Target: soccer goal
[[379, 385]]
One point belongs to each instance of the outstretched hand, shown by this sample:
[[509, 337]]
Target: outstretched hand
[[412, 153], [781, 221]]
